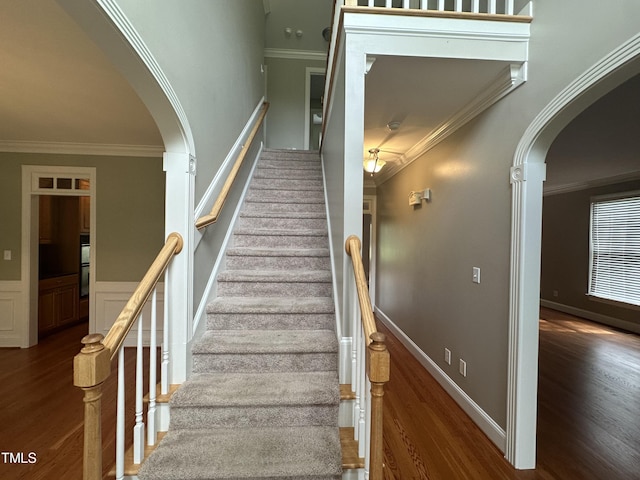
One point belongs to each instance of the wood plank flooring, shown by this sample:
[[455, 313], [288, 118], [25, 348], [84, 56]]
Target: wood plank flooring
[[588, 423], [42, 412]]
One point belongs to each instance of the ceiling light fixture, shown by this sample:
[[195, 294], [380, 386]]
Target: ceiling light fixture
[[373, 164], [393, 125]]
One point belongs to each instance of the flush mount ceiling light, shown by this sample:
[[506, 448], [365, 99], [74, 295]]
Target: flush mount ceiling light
[[393, 126], [373, 164]]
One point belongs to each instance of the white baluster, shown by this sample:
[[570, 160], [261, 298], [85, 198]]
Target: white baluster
[[367, 455], [424, 4], [441, 5], [120, 418], [372, 3], [362, 419], [406, 4], [138, 429], [389, 3], [357, 335], [508, 8], [153, 354], [492, 6], [458, 6], [164, 372], [475, 6]]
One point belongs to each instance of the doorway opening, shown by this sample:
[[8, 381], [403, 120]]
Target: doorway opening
[[58, 226], [314, 98]]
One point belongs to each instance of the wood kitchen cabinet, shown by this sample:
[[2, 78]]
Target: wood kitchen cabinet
[[57, 302]]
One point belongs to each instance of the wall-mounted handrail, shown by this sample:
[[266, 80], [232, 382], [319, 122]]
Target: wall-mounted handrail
[[92, 366], [212, 217], [376, 369]]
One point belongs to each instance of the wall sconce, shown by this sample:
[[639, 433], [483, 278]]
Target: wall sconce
[[415, 198], [373, 164]]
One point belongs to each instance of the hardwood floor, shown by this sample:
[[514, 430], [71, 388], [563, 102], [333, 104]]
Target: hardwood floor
[[588, 422], [42, 412]]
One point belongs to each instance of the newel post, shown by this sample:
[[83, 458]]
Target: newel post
[[378, 364], [91, 367]]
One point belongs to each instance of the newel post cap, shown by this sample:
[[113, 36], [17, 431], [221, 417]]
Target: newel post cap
[[92, 365]]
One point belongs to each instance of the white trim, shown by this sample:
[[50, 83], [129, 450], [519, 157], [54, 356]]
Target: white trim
[[309, 72], [373, 205], [10, 313], [526, 230], [587, 184], [68, 148], [210, 288], [295, 54], [111, 297], [344, 372], [29, 245], [490, 428], [596, 317], [210, 195]]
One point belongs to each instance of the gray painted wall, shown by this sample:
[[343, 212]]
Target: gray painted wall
[[565, 251], [129, 217], [425, 255], [286, 94]]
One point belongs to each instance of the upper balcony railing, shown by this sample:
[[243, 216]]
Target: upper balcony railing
[[491, 7]]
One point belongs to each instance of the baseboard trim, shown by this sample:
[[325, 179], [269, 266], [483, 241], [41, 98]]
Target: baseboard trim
[[490, 428], [596, 317], [11, 313]]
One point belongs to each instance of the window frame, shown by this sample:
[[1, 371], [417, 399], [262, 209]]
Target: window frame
[[592, 292]]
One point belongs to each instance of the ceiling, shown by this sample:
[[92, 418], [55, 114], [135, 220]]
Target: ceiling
[[56, 87]]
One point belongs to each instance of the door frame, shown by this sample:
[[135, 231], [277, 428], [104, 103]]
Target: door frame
[[30, 224], [309, 72]]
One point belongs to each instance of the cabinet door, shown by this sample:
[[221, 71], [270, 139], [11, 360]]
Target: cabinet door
[[66, 301], [46, 311], [85, 214]]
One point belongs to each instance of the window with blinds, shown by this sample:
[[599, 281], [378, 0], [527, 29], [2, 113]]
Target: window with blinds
[[615, 248]]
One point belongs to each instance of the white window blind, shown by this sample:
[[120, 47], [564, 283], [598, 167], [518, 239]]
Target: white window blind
[[615, 249]]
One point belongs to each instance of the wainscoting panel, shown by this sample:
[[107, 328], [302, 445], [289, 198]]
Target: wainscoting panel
[[10, 313], [111, 297]]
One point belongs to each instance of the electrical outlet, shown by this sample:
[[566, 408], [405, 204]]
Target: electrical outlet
[[7, 254], [447, 356], [463, 368]]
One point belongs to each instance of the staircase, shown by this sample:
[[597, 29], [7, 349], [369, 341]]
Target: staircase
[[263, 399]]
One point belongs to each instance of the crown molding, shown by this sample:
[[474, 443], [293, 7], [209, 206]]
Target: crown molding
[[508, 80], [295, 54], [70, 148], [587, 184]]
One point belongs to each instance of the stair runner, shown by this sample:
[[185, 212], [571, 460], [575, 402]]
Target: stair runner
[[262, 402]]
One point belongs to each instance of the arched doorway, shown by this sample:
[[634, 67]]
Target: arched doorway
[[527, 177]]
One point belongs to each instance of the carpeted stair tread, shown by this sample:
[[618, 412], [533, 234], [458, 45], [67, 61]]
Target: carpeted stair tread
[[266, 341], [278, 252], [275, 276], [258, 389], [283, 232], [289, 305], [273, 453], [285, 214]]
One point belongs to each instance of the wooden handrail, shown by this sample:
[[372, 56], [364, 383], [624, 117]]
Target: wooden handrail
[[92, 366], [212, 217], [352, 246], [377, 361], [118, 332]]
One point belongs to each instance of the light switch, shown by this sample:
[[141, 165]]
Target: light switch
[[7, 254], [476, 275]]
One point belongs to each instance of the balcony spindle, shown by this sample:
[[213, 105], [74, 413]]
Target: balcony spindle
[[120, 412], [138, 429], [441, 6], [508, 8], [492, 6], [151, 411], [475, 6], [458, 6]]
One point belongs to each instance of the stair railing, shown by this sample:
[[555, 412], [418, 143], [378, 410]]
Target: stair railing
[[212, 217], [92, 366], [370, 371], [491, 7]]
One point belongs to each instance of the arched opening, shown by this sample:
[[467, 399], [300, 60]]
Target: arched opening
[[527, 177]]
